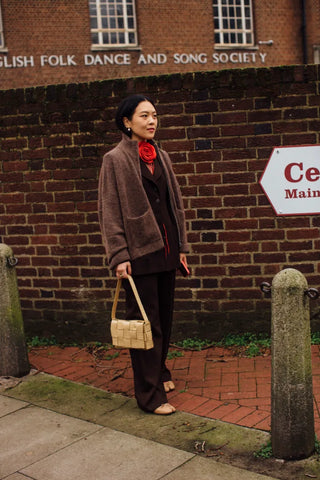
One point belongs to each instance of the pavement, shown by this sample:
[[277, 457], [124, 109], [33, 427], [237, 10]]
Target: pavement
[[73, 417]]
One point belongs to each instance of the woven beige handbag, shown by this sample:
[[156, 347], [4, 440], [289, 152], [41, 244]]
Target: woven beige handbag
[[130, 333]]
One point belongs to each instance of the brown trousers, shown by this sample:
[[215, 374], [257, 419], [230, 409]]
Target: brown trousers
[[157, 296]]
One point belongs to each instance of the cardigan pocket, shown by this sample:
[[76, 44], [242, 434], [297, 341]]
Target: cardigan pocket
[[142, 232]]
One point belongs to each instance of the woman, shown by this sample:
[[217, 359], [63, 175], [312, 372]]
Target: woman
[[143, 229]]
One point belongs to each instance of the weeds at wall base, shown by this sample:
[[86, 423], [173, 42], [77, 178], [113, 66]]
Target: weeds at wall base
[[248, 345]]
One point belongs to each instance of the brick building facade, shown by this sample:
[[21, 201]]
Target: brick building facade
[[66, 41]]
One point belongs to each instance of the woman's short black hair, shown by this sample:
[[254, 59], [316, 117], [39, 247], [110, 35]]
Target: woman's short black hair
[[127, 108]]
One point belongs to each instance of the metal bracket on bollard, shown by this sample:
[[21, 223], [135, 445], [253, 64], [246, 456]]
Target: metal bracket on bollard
[[12, 262], [265, 287], [312, 293]]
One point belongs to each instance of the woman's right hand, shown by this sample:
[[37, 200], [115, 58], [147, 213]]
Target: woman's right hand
[[123, 270]]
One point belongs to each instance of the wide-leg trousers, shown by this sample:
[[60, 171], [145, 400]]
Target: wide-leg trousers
[[156, 292]]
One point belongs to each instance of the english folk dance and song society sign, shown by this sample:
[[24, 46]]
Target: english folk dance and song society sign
[[246, 58]]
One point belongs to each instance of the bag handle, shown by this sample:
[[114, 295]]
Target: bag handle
[[136, 294]]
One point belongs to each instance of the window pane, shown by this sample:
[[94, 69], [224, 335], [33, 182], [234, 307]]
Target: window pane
[[233, 22], [113, 22], [95, 38], [94, 22], [132, 38]]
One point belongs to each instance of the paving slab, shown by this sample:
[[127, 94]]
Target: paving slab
[[9, 405], [17, 476], [202, 469], [59, 429], [31, 434], [109, 454], [40, 444]]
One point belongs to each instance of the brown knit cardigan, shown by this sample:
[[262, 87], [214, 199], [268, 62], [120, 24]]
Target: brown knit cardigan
[[128, 226]]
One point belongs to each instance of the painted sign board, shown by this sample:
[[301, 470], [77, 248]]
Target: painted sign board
[[291, 180]]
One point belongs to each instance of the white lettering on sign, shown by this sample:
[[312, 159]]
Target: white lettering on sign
[[123, 59], [17, 62], [110, 59], [156, 59], [238, 57], [58, 60], [288, 168], [185, 58]]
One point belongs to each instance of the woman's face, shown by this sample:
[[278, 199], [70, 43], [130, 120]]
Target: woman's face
[[143, 123]]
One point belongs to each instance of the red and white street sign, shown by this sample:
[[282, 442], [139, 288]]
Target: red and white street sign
[[291, 180]]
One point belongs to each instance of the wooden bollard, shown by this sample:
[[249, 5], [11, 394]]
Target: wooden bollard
[[292, 418], [13, 350]]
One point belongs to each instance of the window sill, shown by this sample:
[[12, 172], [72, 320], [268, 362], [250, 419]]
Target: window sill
[[236, 47], [105, 48], [3, 50]]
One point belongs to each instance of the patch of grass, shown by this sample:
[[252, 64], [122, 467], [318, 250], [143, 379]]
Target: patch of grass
[[253, 350], [174, 354], [245, 339], [111, 357], [264, 452], [250, 344], [317, 446], [194, 344], [41, 341], [315, 338]]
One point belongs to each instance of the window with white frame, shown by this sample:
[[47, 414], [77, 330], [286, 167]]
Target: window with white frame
[[1, 30], [113, 23], [233, 22]]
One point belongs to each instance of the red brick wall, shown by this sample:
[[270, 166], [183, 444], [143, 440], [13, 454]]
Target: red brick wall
[[62, 27], [220, 129]]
